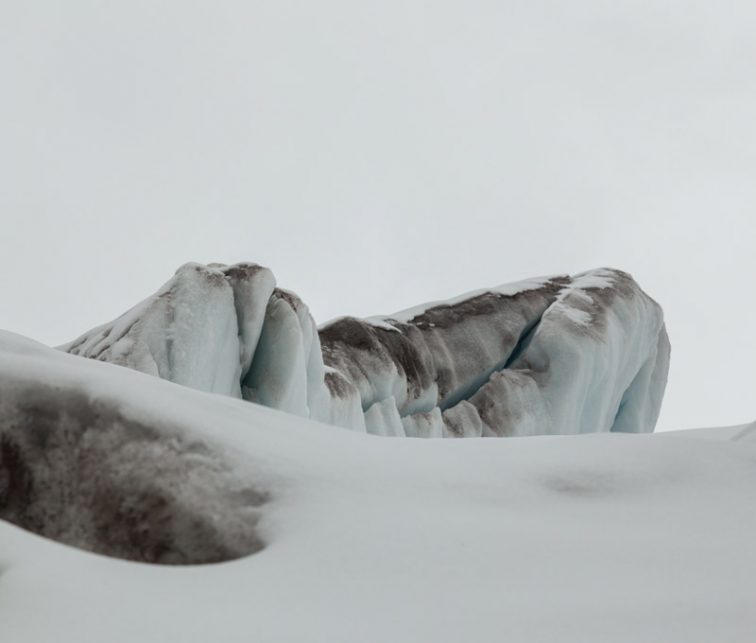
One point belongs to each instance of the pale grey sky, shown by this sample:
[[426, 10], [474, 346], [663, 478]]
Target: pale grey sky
[[378, 155]]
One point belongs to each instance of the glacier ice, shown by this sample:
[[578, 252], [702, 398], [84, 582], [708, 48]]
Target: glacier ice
[[557, 355]]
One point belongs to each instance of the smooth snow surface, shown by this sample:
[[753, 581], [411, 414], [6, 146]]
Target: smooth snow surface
[[593, 538], [556, 355]]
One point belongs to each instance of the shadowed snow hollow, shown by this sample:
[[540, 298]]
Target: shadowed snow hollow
[[84, 461], [560, 355]]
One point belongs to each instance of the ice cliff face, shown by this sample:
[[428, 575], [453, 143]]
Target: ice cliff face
[[563, 355]]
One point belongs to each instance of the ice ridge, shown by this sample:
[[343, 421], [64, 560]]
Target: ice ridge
[[555, 355]]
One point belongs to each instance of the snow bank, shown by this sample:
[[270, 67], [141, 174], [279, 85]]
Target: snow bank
[[80, 463], [590, 538]]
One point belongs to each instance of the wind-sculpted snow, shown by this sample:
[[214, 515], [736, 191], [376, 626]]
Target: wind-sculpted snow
[[79, 465], [589, 538], [556, 355]]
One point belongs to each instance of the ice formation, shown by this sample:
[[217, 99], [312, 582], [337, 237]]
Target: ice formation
[[561, 355]]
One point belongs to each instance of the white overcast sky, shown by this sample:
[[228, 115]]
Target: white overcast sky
[[380, 154]]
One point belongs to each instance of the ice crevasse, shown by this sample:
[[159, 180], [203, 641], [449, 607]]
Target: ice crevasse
[[554, 355]]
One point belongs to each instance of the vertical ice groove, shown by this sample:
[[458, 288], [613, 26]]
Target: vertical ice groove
[[252, 286]]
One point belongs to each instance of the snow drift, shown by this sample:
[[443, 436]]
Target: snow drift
[[562, 355], [90, 470], [592, 538]]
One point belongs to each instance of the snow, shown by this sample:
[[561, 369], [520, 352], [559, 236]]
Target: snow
[[733, 433], [509, 290], [549, 355], [604, 537]]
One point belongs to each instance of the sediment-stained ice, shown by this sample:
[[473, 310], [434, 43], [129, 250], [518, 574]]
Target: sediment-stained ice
[[558, 355]]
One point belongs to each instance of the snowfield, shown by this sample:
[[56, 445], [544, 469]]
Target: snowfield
[[353, 537]]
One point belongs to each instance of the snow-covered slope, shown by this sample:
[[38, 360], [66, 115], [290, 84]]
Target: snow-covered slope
[[99, 470], [590, 538], [556, 355]]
